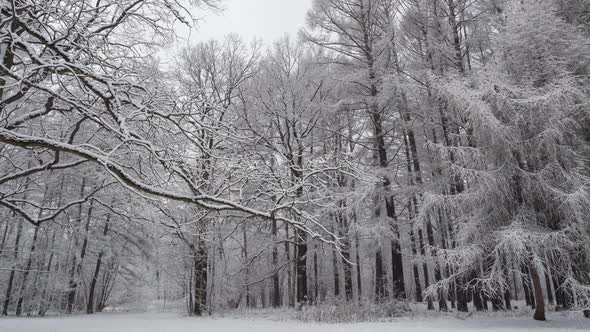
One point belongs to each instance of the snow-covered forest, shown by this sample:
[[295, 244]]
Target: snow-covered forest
[[395, 158]]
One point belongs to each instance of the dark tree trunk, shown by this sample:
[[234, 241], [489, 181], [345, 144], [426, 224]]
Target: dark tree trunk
[[5, 235], [346, 259], [290, 298], [200, 275], [301, 263], [276, 292], [91, 291], [358, 268], [396, 254], [336, 273], [461, 295], [507, 296], [44, 303], [396, 259], [540, 309], [8, 295], [379, 277], [496, 296], [316, 282], [415, 268], [107, 285], [526, 285], [342, 223], [442, 302], [246, 264], [477, 298], [446, 234], [72, 285], [412, 210], [300, 235], [23, 286], [189, 297], [456, 35], [425, 268]]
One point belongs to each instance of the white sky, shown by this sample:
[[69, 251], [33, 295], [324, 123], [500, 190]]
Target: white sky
[[265, 19]]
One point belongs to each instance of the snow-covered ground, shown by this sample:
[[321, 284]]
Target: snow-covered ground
[[167, 322]]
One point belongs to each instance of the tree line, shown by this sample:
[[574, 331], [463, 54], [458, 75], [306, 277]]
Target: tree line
[[432, 151]]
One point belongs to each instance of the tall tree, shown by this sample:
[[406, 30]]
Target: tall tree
[[357, 32]]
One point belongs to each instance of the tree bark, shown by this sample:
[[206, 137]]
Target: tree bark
[[72, 283], [8, 295], [430, 305], [358, 269], [4, 235], [200, 274], [43, 303], [91, 291], [442, 302], [289, 293], [539, 301], [276, 293], [379, 277], [336, 274], [246, 264], [23, 286]]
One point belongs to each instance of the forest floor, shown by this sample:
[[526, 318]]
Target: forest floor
[[170, 322]]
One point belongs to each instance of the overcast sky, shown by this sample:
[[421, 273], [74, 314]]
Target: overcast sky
[[266, 19]]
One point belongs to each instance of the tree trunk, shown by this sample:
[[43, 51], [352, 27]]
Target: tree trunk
[[412, 205], [301, 264], [507, 296], [246, 265], [477, 298], [276, 293], [107, 285], [456, 36], [425, 268], [347, 268], [336, 269], [23, 286], [461, 295], [8, 295], [358, 269], [548, 287], [383, 162], [5, 235], [540, 309], [379, 277], [316, 281], [290, 298], [442, 302], [526, 285], [90, 303], [72, 283], [200, 275], [397, 267], [43, 303], [415, 268]]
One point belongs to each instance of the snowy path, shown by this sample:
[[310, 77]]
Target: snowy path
[[176, 323]]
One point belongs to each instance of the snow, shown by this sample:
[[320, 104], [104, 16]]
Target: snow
[[168, 322]]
